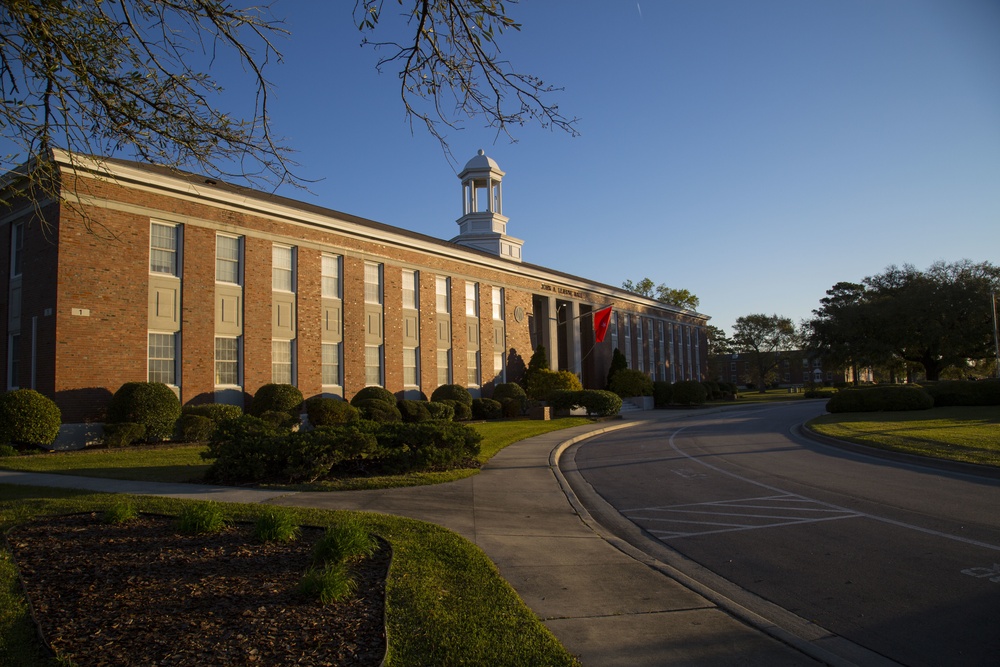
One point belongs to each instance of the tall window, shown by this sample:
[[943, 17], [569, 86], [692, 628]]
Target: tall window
[[227, 259], [282, 269], [227, 361], [373, 283], [373, 365], [472, 366], [444, 367], [331, 364], [411, 281], [163, 244], [282, 355], [442, 288], [331, 277], [411, 369], [613, 327], [13, 360], [16, 248], [472, 299], [638, 344], [498, 303], [162, 358]]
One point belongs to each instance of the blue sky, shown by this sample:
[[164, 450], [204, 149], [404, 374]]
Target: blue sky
[[754, 152]]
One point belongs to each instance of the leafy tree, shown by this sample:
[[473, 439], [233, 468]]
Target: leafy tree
[[938, 319], [131, 78], [618, 363], [762, 338], [718, 342], [681, 298]]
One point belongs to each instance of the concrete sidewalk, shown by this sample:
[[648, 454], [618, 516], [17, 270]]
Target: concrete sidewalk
[[605, 606]]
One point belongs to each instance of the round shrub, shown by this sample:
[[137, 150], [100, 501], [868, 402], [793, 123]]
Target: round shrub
[[217, 412], [374, 393], [246, 449], [662, 393], [414, 411], [513, 407], [194, 428], [563, 399], [541, 383], [28, 417], [123, 434], [276, 398], [313, 454], [688, 392], [486, 408], [280, 419], [453, 392], [441, 411], [509, 390], [462, 411], [630, 382], [326, 411], [599, 402], [152, 404], [377, 410], [890, 398]]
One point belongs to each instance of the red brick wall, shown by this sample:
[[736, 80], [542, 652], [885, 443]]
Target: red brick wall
[[198, 316]]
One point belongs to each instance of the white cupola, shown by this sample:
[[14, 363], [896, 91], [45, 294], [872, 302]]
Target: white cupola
[[483, 225]]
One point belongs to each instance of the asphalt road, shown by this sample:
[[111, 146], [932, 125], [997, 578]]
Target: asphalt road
[[899, 559]]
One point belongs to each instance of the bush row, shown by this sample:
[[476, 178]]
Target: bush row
[[598, 403], [250, 449], [964, 392], [889, 398]]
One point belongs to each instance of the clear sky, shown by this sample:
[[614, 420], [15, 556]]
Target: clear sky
[[754, 152]]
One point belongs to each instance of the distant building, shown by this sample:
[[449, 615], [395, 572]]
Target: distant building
[[137, 273], [795, 368]]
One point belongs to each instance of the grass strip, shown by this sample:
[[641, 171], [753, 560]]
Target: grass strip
[[183, 463], [446, 602], [967, 434]]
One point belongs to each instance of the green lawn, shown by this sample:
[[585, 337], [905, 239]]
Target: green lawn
[[968, 434], [183, 463], [446, 603]]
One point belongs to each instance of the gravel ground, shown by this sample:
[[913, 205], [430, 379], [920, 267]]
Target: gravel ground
[[141, 593]]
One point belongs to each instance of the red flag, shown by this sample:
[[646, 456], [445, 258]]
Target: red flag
[[602, 319]]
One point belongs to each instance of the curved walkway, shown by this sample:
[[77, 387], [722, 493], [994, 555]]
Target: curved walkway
[[604, 605]]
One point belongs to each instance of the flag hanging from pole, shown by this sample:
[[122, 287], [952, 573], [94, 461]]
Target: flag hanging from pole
[[602, 319]]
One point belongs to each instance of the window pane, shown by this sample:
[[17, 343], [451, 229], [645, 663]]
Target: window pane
[[331, 363], [410, 289], [410, 367], [163, 249], [281, 269], [472, 365], [442, 288], [162, 358], [17, 248], [227, 259], [331, 276], [281, 361], [443, 366], [472, 299], [373, 365], [497, 303], [227, 361], [373, 283]]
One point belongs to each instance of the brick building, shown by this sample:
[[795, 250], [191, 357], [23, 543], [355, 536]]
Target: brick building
[[138, 273]]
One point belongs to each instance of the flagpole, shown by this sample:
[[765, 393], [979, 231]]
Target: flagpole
[[996, 335]]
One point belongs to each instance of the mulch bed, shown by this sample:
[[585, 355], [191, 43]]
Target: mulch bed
[[142, 593]]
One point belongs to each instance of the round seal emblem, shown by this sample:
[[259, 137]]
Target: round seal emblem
[[519, 314]]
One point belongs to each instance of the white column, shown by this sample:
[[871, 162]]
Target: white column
[[574, 356], [551, 328]]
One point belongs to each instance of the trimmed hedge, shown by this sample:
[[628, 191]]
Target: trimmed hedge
[[542, 383], [377, 410], [374, 393], [662, 393], [28, 418], [123, 434], [217, 412], [888, 398], [326, 411], [964, 392], [486, 408], [152, 404], [597, 402], [441, 411], [688, 392], [630, 382], [462, 412], [193, 428], [452, 392], [250, 450], [276, 398], [414, 411]]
